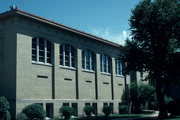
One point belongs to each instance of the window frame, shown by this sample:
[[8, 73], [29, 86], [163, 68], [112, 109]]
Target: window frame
[[88, 60], [119, 66], [105, 64], [68, 51], [44, 49]]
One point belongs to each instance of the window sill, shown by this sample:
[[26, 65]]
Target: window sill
[[103, 73], [119, 75], [89, 71], [66, 67], [41, 63]]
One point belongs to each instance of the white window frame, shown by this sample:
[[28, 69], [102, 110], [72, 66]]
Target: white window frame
[[105, 64], [84, 60], [119, 67], [45, 52], [69, 56]]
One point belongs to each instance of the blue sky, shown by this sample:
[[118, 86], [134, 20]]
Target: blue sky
[[104, 18]]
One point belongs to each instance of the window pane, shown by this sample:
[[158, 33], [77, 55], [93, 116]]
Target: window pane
[[61, 55], [104, 63], [48, 52], [92, 61], [88, 60], [83, 60], [67, 55], [120, 67], [34, 49], [101, 63], [41, 50], [41, 56], [109, 65], [41, 44], [72, 57], [116, 66]]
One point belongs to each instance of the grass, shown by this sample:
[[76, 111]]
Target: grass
[[119, 116], [113, 116], [174, 118]]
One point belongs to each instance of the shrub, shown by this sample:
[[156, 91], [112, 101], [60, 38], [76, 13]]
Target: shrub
[[4, 109], [21, 116], [4, 104], [123, 109], [107, 110], [88, 110], [66, 111], [139, 96], [34, 111], [167, 100]]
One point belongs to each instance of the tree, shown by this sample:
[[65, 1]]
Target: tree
[[155, 30]]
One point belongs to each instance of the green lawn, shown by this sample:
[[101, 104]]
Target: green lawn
[[105, 118], [118, 116], [174, 118]]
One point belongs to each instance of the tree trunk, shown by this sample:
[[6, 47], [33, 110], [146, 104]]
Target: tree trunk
[[161, 103]]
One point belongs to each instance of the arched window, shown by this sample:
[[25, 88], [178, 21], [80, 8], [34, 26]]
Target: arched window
[[88, 60], [41, 50], [119, 66], [105, 62], [67, 56]]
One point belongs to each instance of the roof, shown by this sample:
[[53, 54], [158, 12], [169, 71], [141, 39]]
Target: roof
[[58, 25]]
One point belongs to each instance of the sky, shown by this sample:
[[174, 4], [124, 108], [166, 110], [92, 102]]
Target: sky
[[107, 19]]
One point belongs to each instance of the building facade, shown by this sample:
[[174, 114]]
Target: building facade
[[53, 65]]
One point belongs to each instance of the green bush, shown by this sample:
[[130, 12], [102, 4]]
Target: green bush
[[123, 109], [66, 111], [4, 109], [21, 116], [107, 110], [34, 111], [88, 110]]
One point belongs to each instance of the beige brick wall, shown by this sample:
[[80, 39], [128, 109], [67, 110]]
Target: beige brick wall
[[26, 85]]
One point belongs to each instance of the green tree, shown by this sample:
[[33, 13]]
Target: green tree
[[155, 27]]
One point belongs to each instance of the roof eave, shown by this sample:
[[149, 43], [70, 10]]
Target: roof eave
[[29, 15]]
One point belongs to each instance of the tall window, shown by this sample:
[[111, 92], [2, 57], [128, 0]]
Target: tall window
[[119, 67], [88, 60], [105, 63], [41, 50], [67, 56]]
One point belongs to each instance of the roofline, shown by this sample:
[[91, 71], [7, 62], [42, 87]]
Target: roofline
[[58, 25]]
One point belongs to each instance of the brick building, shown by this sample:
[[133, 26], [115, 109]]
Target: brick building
[[51, 64]]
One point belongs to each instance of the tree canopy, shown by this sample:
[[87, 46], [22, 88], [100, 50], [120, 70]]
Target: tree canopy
[[155, 44]]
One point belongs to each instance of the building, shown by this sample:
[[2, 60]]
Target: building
[[51, 64]]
